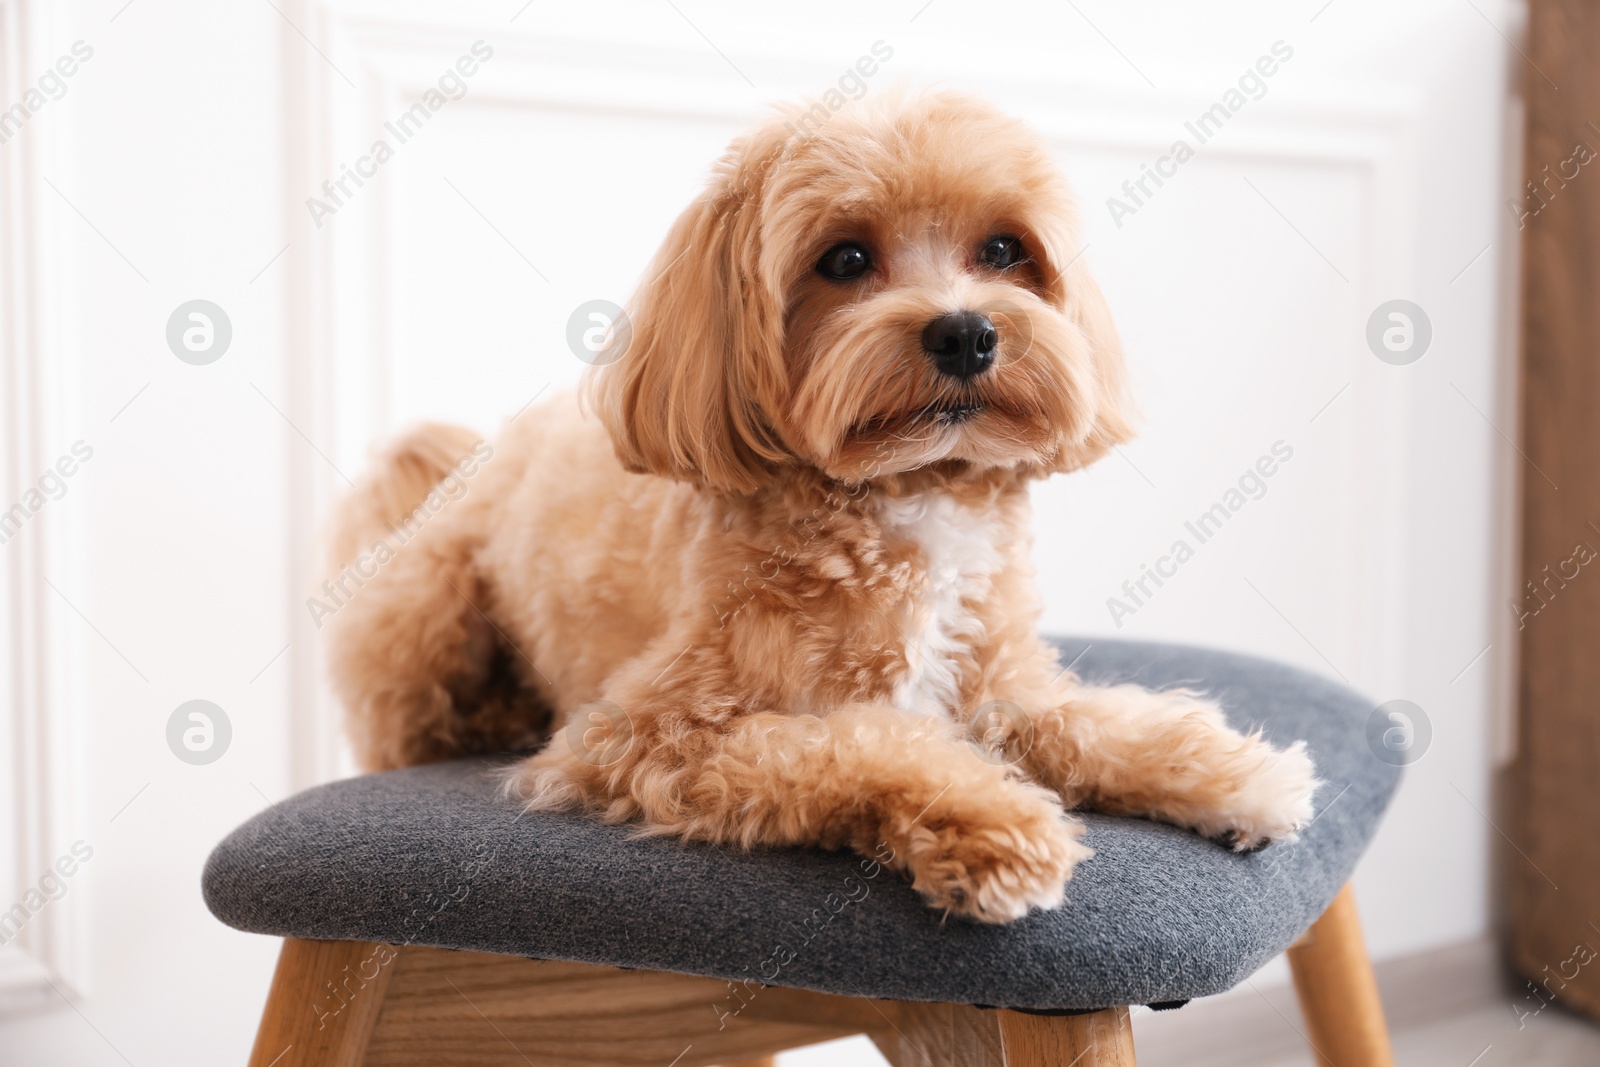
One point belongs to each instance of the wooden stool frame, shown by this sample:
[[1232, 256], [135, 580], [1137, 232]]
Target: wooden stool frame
[[350, 1003]]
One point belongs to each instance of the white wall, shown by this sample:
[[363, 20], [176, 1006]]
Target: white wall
[[1372, 168]]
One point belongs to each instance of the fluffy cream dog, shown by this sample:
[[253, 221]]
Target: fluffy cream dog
[[775, 588]]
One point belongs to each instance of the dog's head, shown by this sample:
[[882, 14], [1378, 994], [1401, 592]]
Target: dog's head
[[867, 293]]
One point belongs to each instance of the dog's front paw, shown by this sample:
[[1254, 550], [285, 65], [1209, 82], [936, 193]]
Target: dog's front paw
[[996, 859], [1271, 801]]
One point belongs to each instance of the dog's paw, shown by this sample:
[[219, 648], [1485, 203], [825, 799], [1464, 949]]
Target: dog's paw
[[996, 860], [1271, 802]]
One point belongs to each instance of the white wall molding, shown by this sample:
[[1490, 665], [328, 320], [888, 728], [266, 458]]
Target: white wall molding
[[41, 653]]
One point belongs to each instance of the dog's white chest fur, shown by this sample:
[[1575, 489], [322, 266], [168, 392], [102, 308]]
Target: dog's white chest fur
[[960, 549]]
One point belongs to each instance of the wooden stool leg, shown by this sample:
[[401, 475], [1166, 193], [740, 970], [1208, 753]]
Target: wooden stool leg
[[760, 1061], [1099, 1039], [323, 1004], [1338, 994]]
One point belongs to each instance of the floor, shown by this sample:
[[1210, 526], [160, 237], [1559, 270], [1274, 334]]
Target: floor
[[1449, 1008]]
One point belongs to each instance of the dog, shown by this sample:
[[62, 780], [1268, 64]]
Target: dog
[[765, 581]]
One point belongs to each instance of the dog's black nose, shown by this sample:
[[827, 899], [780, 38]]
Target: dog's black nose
[[961, 343]]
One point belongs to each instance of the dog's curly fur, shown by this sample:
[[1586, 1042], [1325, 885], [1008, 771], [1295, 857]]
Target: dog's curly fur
[[773, 579]]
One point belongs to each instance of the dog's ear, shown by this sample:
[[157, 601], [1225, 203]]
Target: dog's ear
[[684, 399], [1072, 290], [1112, 424]]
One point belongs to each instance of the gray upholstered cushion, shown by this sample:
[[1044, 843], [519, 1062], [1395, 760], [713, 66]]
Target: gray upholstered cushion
[[433, 856]]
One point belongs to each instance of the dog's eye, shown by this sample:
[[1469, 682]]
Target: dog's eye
[[844, 262], [1001, 253]]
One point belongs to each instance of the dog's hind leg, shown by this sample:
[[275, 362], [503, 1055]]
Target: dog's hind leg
[[420, 667]]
